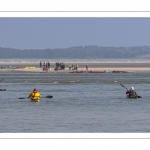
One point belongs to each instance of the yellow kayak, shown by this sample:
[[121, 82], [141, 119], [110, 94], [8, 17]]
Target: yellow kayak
[[35, 99]]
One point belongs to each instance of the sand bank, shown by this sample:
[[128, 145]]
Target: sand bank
[[107, 69], [94, 65]]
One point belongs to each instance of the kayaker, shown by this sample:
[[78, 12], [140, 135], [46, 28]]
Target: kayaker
[[131, 92], [35, 95]]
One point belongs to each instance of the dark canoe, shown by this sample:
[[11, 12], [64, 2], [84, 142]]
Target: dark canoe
[[97, 71], [78, 72], [2, 89], [117, 71], [134, 96]]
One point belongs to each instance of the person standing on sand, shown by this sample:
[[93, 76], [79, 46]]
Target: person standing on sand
[[44, 66], [86, 67], [44, 63], [48, 66], [40, 64], [76, 66], [72, 67], [69, 67]]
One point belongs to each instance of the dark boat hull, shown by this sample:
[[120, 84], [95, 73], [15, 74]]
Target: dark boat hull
[[2, 89], [132, 96]]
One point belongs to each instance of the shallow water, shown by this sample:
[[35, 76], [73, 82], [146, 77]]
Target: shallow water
[[81, 103]]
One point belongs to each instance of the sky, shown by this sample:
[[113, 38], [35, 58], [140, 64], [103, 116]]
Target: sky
[[64, 32]]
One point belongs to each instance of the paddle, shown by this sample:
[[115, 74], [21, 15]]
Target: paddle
[[49, 96], [127, 89], [2, 79], [0, 88], [123, 86]]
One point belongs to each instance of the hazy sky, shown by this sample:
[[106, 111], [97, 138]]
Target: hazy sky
[[41, 33]]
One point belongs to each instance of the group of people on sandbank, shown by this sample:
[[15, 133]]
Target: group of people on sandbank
[[45, 66], [76, 66], [59, 66], [73, 67]]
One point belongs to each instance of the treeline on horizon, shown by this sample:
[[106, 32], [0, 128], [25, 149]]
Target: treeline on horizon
[[78, 52]]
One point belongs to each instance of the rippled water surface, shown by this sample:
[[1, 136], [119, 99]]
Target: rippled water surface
[[81, 103]]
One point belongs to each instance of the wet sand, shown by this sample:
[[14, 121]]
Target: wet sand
[[138, 67]]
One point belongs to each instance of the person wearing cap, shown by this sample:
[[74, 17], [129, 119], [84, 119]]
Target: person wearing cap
[[131, 92], [34, 95]]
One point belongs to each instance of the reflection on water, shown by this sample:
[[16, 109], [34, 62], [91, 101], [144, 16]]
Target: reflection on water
[[80, 103]]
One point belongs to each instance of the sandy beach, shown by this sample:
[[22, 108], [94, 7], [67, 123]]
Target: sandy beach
[[94, 65]]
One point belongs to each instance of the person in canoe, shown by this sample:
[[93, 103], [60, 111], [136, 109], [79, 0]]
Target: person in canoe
[[131, 92], [34, 95]]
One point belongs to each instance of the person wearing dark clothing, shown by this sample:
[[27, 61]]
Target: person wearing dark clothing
[[48, 65], [86, 67], [44, 66], [40, 64], [72, 67], [131, 92]]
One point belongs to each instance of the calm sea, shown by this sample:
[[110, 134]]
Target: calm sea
[[81, 103]]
